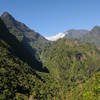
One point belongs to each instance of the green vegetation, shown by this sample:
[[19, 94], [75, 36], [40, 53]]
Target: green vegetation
[[18, 80], [69, 70], [87, 91], [71, 62]]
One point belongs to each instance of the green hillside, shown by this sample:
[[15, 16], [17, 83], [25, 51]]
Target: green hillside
[[68, 70], [87, 91], [71, 62], [18, 80]]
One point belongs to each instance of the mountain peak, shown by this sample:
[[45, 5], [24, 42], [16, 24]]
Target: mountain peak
[[79, 30], [5, 14], [96, 28]]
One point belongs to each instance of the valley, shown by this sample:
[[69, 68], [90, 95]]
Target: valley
[[61, 67]]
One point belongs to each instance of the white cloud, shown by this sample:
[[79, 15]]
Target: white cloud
[[56, 37]]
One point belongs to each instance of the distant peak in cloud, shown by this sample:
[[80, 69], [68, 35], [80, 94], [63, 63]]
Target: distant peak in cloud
[[56, 37]]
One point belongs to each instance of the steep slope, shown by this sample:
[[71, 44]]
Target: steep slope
[[16, 77], [21, 31], [18, 48], [92, 36], [73, 33], [18, 80], [71, 62], [13, 70]]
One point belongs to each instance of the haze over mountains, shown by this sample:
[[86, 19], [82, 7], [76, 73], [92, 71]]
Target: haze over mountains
[[92, 36], [73, 33], [34, 68], [76, 33]]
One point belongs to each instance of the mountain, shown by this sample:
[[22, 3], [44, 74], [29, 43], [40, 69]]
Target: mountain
[[18, 48], [69, 69], [35, 42], [71, 62], [56, 37], [92, 36], [14, 69], [76, 33], [18, 79]]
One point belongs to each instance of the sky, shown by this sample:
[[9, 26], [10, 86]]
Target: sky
[[49, 17]]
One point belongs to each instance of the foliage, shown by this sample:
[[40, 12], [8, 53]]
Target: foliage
[[87, 91], [18, 80], [71, 62], [70, 69]]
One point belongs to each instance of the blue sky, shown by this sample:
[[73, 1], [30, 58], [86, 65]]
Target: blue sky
[[49, 17]]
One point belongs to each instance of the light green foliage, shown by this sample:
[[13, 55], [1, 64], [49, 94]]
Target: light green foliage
[[70, 70], [71, 62], [87, 91]]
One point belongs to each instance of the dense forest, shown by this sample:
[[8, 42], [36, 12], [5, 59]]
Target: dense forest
[[33, 68], [18, 77]]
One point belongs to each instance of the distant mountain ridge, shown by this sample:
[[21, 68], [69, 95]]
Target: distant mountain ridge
[[92, 36], [76, 33]]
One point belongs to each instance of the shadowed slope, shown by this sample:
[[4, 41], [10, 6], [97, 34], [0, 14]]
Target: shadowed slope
[[20, 30], [17, 48]]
